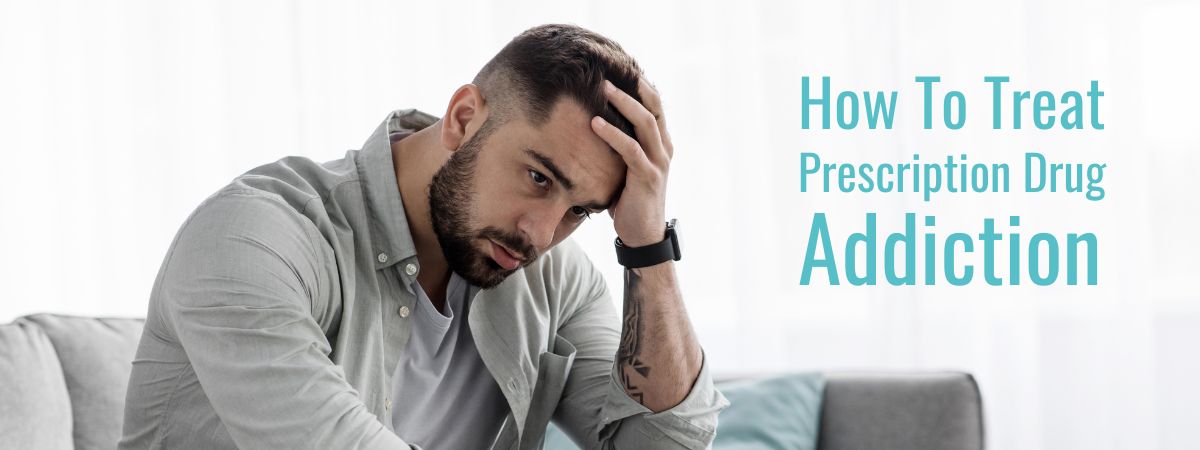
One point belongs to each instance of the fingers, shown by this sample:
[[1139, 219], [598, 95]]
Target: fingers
[[627, 147], [650, 98], [644, 122], [653, 103]]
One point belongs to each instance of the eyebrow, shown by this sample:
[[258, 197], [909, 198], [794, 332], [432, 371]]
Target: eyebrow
[[549, 165]]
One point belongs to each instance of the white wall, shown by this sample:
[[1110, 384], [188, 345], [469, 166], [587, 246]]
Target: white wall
[[117, 118]]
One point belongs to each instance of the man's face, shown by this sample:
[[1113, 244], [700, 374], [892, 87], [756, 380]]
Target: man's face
[[512, 192]]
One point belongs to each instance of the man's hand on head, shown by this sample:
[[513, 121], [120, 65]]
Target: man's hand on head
[[640, 210]]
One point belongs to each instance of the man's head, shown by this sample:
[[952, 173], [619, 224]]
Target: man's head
[[547, 63], [526, 167]]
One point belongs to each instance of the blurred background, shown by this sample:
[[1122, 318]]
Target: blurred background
[[118, 118]]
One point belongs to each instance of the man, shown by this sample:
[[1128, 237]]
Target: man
[[419, 293]]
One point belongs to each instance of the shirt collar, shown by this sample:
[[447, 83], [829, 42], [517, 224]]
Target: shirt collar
[[391, 238]]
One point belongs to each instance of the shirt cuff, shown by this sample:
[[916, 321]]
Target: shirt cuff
[[692, 423]]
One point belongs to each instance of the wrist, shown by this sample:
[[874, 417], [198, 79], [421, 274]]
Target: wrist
[[648, 234], [640, 240]]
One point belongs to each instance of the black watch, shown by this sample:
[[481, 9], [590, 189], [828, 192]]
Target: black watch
[[666, 250]]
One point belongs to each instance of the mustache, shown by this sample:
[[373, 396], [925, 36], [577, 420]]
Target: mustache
[[526, 251]]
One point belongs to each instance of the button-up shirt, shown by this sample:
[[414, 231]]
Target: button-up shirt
[[281, 308]]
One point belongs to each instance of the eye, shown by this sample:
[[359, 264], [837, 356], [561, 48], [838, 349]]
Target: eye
[[580, 212], [539, 179]]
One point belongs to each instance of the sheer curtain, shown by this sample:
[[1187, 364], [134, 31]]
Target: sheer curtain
[[118, 118]]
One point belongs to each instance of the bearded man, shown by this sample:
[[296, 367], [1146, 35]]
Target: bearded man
[[421, 293]]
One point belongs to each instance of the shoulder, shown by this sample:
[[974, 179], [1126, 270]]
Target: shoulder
[[239, 228], [283, 199], [239, 209], [263, 213], [296, 180]]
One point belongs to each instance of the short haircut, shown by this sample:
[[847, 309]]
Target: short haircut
[[549, 62]]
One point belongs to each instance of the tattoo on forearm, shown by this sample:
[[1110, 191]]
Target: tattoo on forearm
[[629, 353]]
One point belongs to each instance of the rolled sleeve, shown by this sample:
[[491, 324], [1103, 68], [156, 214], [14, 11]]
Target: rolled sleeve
[[691, 424]]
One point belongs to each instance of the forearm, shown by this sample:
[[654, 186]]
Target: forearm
[[659, 357]]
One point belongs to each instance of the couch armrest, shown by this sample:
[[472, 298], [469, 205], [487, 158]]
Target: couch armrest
[[901, 411]]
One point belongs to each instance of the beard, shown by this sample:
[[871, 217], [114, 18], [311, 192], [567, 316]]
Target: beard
[[450, 204]]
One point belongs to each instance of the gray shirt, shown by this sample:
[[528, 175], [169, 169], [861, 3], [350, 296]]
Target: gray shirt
[[451, 400], [280, 312]]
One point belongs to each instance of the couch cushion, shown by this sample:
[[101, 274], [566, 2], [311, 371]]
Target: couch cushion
[[35, 409], [778, 412], [96, 356]]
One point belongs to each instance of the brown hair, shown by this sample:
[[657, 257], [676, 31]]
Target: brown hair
[[547, 62]]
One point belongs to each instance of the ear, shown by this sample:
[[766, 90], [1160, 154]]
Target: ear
[[465, 114]]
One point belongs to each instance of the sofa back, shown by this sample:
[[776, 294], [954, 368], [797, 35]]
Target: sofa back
[[63, 380], [902, 411]]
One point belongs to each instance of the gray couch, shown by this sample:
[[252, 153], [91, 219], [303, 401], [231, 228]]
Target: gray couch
[[62, 386]]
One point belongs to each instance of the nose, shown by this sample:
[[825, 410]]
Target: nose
[[539, 226]]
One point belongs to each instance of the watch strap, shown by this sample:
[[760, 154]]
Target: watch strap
[[649, 255]]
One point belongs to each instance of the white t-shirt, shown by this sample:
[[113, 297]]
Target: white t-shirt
[[443, 395]]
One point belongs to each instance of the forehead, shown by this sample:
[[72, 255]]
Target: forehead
[[566, 137]]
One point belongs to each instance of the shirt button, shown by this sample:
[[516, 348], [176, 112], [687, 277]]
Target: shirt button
[[382, 257], [388, 405], [410, 269], [404, 311]]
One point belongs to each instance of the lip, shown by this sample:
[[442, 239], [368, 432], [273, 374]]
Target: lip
[[504, 257]]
